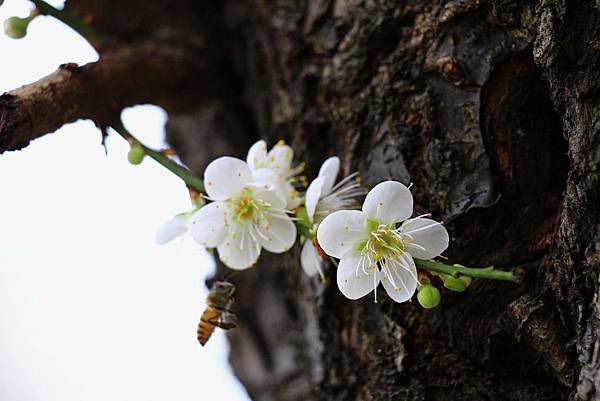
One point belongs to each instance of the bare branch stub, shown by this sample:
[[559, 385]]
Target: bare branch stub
[[145, 73]]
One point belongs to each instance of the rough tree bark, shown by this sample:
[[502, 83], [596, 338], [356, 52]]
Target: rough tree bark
[[491, 108]]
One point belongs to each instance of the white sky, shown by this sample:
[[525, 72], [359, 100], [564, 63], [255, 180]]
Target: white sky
[[90, 308]]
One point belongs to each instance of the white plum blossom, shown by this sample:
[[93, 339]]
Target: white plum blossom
[[372, 249], [243, 216], [176, 227], [322, 199], [274, 170]]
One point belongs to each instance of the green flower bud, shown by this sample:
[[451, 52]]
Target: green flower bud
[[453, 283], [429, 296], [16, 27], [136, 154]]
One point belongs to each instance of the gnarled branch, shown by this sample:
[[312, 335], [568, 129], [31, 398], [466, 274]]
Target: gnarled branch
[[145, 73]]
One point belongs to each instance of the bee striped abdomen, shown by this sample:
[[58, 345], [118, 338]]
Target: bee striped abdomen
[[205, 327], [218, 302]]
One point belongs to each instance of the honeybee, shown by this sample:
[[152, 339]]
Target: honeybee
[[218, 304]]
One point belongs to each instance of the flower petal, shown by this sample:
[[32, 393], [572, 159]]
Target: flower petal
[[388, 202], [402, 284], [313, 194], [266, 178], [209, 224], [352, 280], [292, 197], [429, 238], [239, 250], [257, 155], [310, 259], [172, 229], [274, 198], [280, 158], [226, 177], [341, 231], [329, 170], [277, 232]]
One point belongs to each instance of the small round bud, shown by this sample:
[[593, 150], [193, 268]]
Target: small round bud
[[452, 283], [136, 154], [16, 27], [429, 296]]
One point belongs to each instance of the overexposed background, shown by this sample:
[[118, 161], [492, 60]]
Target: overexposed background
[[90, 308]]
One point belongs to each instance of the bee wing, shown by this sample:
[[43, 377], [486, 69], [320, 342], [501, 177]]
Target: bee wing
[[228, 319]]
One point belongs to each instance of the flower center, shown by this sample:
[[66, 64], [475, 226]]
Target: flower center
[[246, 207], [383, 243]]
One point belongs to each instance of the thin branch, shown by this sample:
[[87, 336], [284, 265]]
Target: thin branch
[[180, 171], [85, 30], [458, 270], [146, 73]]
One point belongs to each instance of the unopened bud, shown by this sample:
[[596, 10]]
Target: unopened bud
[[16, 27], [429, 296], [452, 283], [136, 154]]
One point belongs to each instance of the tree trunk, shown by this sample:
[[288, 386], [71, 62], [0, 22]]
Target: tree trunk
[[490, 108]]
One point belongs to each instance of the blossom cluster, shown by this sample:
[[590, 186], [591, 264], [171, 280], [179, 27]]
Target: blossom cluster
[[259, 203]]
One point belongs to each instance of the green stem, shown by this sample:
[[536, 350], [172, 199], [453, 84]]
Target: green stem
[[186, 175], [68, 19], [457, 270]]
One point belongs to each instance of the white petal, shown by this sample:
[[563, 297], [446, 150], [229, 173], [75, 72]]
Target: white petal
[[313, 194], [226, 177], [388, 202], [267, 178], [310, 259], [429, 238], [277, 232], [273, 198], [287, 191], [403, 283], [172, 229], [257, 155], [280, 159], [329, 170], [292, 197], [239, 250], [341, 232], [351, 278], [209, 224]]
